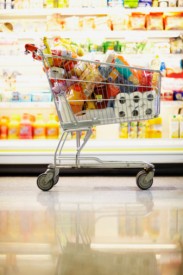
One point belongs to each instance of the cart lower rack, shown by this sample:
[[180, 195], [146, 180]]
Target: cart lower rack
[[89, 93]]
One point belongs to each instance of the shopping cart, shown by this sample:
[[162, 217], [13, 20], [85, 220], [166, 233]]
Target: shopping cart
[[88, 93]]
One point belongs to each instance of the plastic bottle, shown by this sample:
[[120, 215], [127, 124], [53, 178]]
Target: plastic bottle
[[123, 130], [155, 65], [181, 125], [25, 127], [14, 127], [155, 128], [52, 127], [163, 68], [142, 126], [174, 127], [4, 127], [39, 127], [133, 133]]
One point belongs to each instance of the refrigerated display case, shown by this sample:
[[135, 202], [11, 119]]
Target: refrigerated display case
[[19, 26]]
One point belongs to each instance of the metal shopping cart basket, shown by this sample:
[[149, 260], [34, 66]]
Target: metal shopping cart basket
[[89, 93]]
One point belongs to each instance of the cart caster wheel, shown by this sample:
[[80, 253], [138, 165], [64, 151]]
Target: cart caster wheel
[[44, 183], [144, 179], [56, 179]]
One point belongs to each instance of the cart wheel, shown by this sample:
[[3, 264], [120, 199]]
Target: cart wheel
[[44, 183], [56, 179], [143, 181]]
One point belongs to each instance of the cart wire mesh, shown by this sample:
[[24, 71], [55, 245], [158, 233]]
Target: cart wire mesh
[[89, 93]]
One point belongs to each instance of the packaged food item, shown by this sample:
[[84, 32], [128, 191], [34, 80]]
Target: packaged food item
[[181, 125], [155, 21], [174, 126], [137, 21], [123, 130], [177, 95], [172, 3], [52, 127], [174, 21], [114, 3], [50, 4], [180, 3], [90, 77], [14, 127], [163, 3], [145, 80], [41, 97], [39, 127], [155, 65], [142, 129], [133, 133], [145, 3], [26, 131], [130, 3], [25, 97], [4, 120], [120, 22], [155, 3], [168, 95], [79, 68], [127, 72], [76, 98], [101, 23], [155, 128], [100, 96], [62, 3], [176, 45], [47, 50], [163, 68]]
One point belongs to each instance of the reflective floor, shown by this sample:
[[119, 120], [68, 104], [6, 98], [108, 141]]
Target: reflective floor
[[91, 226]]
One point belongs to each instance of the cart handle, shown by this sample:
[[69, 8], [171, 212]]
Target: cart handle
[[31, 48]]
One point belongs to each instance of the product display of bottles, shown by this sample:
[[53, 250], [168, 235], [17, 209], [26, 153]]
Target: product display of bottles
[[143, 129], [29, 126], [176, 126]]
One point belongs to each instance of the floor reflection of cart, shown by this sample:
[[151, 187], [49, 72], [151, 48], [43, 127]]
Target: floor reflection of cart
[[83, 248], [83, 260], [89, 93]]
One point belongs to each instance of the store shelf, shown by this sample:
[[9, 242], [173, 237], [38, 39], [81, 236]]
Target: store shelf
[[41, 12], [26, 105], [131, 35], [42, 151]]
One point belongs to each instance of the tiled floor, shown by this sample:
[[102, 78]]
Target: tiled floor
[[91, 226]]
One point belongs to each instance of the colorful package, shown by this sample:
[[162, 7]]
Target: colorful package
[[155, 21], [137, 21], [174, 21]]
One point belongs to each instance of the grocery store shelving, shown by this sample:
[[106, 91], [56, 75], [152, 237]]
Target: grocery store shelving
[[26, 105], [41, 12], [125, 34], [42, 151], [47, 105]]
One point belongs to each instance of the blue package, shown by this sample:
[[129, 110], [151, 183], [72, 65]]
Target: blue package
[[145, 3]]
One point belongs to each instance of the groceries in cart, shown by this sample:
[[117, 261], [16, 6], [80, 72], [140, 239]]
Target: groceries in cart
[[102, 91]]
